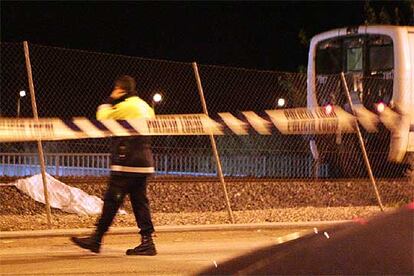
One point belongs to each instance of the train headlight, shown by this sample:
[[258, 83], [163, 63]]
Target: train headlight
[[328, 109], [380, 107]]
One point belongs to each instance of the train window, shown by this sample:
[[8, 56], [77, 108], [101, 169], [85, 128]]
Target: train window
[[354, 53], [381, 54], [354, 59], [329, 57]]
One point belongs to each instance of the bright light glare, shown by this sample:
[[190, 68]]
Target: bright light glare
[[380, 107], [22, 93], [281, 102], [157, 97], [328, 109]]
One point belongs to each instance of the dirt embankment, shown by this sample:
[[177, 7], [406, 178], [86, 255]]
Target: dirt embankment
[[202, 201]]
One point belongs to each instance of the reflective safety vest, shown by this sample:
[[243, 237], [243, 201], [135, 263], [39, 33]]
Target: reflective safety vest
[[129, 155]]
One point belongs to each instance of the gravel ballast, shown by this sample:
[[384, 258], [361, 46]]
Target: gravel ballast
[[196, 201]]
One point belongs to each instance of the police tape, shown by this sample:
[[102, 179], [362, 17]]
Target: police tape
[[285, 121]]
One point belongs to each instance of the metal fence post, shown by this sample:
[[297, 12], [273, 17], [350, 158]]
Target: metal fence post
[[39, 142], [361, 142], [213, 142]]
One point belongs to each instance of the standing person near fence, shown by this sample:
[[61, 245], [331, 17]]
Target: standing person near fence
[[131, 164]]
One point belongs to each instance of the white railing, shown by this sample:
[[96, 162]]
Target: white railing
[[97, 164]]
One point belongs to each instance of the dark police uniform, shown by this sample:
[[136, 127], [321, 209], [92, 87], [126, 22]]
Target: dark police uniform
[[131, 164]]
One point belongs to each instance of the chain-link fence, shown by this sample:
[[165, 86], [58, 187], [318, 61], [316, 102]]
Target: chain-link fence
[[72, 83], [342, 152]]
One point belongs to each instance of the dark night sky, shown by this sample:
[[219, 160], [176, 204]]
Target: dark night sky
[[261, 35]]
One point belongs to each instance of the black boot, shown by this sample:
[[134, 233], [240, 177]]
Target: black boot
[[93, 243], [146, 248]]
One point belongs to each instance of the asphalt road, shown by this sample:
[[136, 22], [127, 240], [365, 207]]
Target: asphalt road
[[179, 253]]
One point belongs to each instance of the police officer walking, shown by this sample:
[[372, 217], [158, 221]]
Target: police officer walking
[[131, 164]]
